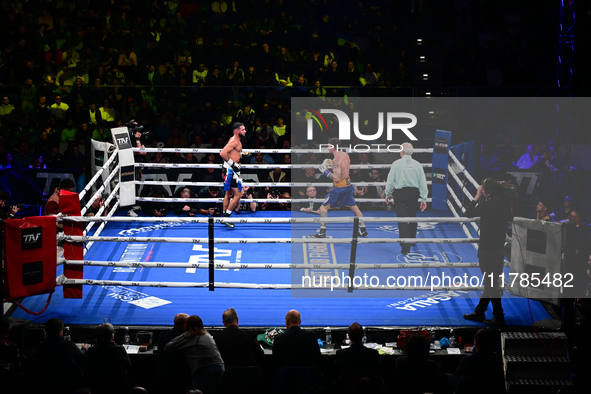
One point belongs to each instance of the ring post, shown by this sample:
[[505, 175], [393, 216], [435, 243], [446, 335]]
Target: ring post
[[211, 247], [353, 253]]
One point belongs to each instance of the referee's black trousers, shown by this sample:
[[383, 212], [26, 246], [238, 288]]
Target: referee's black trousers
[[406, 203]]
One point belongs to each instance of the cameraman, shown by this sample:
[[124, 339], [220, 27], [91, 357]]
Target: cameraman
[[209, 208], [12, 210], [189, 208], [495, 213], [247, 192], [154, 208]]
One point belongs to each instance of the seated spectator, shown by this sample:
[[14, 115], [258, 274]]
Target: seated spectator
[[69, 132], [277, 175], [107, 113], [310, 207], [53, 205], [61, 360], [174, 375], [154, 208], [199, 348], [73, 158], [275, 194], [576, 218], [295, 347], [59, 109], [482, 371], [357, 362], [563, 213], [95, 207], [107, 368], [38, 162], [10, 377], [414, 372], [258, 158], [543, 211], [264, 139], [528, 159], [237, 347], [248, 193], [209, 208], [508, 149], [359, 175], [306, 176], [54, 159]]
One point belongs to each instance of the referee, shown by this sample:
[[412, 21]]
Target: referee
[[407, 180]]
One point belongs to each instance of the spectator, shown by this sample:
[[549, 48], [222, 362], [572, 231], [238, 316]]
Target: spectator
[[209, 208], [173, 372], [357, 362], [235, 75], [528, 159], [4, 203], [543, 211], [154, 208], [575, 218], [199, 348], [200, 73], [69, 132], [563, 213], [248, 193], [59, 109], [279, 130], [295, 347], [38, 162], [53, 206], [54, 159], [318, 90], [95, 207], [310, 207], [482, 371], [107, 368], [61, 360], [415, 373], [73, 158], [237, 347], [107, 113]]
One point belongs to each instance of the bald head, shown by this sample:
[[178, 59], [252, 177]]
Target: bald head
[[230, 317], [355, 332], [293, 318], [180, 321]]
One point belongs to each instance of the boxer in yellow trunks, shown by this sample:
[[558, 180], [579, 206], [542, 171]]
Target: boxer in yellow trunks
[[341, 194]]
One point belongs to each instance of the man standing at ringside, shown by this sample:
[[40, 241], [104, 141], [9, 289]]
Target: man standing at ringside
[[232, 181], [341, 193]]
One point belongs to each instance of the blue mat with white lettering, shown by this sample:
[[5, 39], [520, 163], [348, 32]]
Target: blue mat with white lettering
[[377, 306]]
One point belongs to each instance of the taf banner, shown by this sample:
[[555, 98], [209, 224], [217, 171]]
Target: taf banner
[[31, 257], [439, 178], [70, 205], [126, 166]]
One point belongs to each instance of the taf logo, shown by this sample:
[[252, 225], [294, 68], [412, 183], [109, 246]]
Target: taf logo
[[31, 238], [123, 141], [345, 124]]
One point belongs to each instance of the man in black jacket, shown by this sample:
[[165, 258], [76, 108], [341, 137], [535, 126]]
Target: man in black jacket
[[238, 349], [357, 362], [481, 372], [61, 360], [295, 347], [154, 208], [186, 207], [173, 371], [494, 212]]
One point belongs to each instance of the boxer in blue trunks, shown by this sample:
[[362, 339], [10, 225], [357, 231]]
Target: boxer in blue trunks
[[341, 194], [231, 154]]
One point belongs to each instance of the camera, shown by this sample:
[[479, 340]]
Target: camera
[[217, 212], [274, 192], [133, 128], [19, 206]]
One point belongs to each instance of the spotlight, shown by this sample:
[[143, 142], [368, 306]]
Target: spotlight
[[425, 75], [419, 40]]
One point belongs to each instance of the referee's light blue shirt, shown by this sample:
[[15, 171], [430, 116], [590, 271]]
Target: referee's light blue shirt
[[407, 172]]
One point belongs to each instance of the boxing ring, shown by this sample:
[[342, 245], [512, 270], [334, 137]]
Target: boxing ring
[[141, 271]]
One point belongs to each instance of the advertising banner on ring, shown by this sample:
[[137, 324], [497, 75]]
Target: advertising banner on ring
[[126, 166]]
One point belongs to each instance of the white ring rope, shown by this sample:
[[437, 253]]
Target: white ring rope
[[456, 199], [267, 240], [257, 200], [99, 192], [102, 226], [463, 169], [102, 209], [96, 176], [349, 219], [132, 264], [264, 166], [229, 285], [272, 151], [464, 227], [259, 184], [459, 182]]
